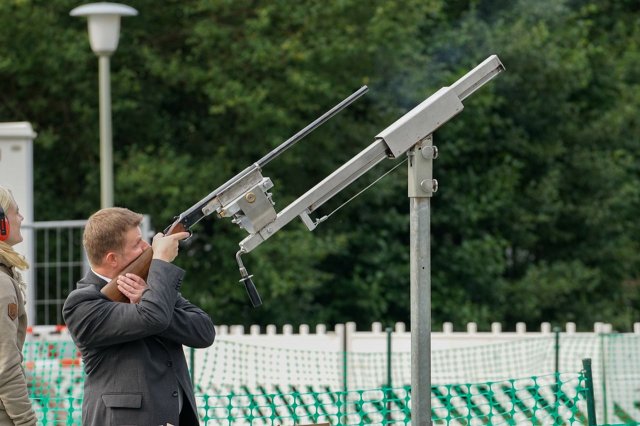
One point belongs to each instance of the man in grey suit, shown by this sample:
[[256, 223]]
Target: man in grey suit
[[136, 372]]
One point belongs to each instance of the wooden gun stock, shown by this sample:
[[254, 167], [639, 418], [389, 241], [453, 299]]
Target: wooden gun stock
[[139, 266]]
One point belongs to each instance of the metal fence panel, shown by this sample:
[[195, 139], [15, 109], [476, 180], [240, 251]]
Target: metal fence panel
[[59, 262]]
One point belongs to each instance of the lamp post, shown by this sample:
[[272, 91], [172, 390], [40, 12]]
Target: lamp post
[[104, 30]]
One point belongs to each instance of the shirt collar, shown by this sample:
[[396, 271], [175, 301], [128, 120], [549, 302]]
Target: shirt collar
[[107, 279]]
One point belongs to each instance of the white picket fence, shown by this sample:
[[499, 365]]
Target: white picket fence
[[256, 360], [346, 337]]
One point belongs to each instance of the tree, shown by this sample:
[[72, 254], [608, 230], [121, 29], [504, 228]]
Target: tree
[[535, 219]]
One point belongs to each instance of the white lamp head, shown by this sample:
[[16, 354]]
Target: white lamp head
[[104, 24]]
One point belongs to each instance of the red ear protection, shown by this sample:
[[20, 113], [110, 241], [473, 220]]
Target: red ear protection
[[4, 226]]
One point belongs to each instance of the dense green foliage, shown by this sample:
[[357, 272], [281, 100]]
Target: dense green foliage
[[536, 216]]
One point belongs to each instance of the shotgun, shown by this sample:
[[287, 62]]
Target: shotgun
[[244, 197]]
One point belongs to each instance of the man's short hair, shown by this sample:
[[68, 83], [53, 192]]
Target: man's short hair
[[105, 231]]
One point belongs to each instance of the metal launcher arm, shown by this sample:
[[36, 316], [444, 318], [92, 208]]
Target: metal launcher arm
[[253, 209]]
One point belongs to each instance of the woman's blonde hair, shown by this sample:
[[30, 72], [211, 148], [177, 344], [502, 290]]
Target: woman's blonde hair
[[8, 255]]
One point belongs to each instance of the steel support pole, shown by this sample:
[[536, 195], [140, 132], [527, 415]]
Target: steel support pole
[[106, 139], [421, 186]]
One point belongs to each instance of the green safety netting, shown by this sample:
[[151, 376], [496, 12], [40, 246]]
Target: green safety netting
[[523, 401], [532, 401], [249, 384]]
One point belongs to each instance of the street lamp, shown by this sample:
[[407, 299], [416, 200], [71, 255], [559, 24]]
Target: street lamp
[[104, 30]]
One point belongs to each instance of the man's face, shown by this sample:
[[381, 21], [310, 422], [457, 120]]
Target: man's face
[[134, 245]]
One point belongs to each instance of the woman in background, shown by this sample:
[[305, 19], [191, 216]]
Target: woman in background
[[15, 406]]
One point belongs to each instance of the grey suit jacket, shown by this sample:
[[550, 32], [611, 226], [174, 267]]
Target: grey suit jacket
[[133, 355]]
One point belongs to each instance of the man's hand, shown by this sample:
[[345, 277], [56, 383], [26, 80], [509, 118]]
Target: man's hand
[[166, 247], [131, 286]]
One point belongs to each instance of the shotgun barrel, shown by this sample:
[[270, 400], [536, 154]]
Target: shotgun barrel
[[209, 204]]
